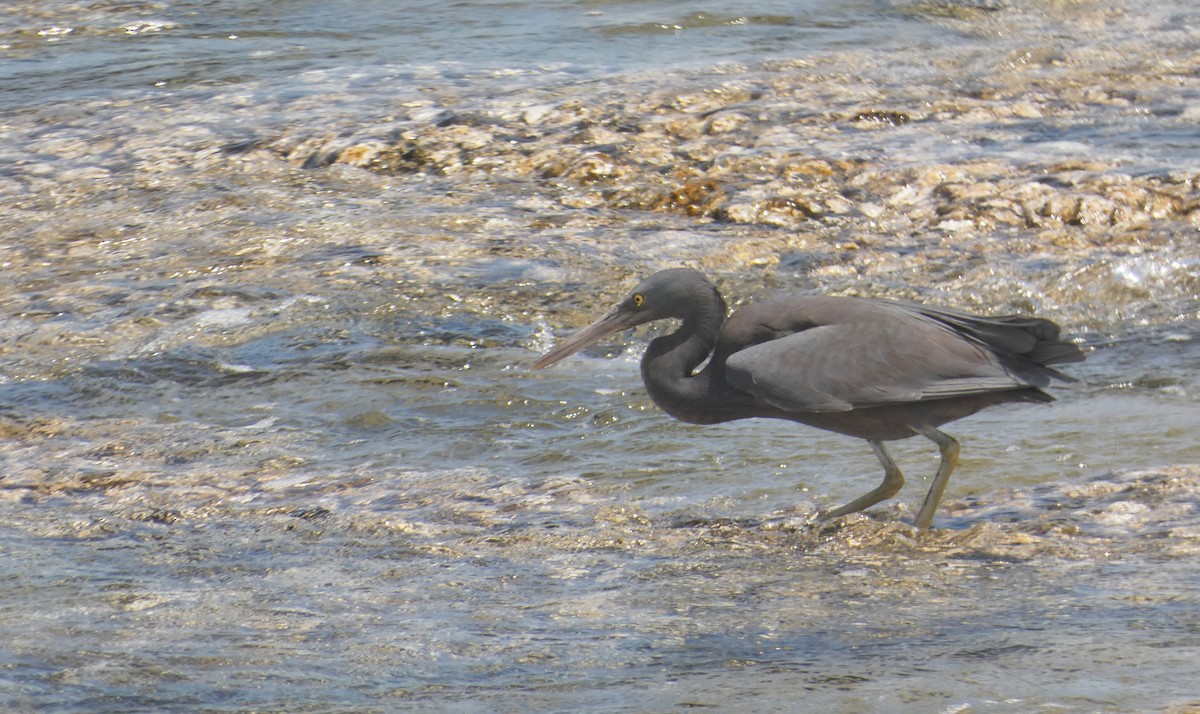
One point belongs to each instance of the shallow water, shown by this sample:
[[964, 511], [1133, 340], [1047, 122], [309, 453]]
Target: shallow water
[[71, 50], [274, 276]]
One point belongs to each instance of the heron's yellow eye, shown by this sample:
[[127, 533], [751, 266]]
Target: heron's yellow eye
[[639, 299]]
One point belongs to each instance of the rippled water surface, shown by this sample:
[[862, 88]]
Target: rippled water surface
[[274, 274], [82, 49]]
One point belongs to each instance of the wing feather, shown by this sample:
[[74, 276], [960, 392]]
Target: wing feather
[[904, 358]]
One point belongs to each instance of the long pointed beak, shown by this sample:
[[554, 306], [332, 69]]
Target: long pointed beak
[[615, 321]]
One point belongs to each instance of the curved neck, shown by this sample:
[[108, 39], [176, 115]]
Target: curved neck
[[669, 366]]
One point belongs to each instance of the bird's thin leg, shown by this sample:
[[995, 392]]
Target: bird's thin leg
[[949, 449], [893, 481]]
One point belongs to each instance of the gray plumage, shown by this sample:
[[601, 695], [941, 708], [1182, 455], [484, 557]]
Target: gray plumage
[[876, 369]]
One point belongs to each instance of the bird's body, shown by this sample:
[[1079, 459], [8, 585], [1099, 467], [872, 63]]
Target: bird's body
[[874, 369]]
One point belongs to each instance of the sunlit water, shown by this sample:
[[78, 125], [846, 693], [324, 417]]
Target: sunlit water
[[269, 440]]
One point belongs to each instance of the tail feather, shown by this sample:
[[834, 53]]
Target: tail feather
[[1027, 345]]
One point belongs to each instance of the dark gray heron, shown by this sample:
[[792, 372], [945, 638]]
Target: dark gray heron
[[875, 369]]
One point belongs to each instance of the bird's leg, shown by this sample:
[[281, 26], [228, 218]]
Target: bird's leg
[[893, 481], [949, 449]]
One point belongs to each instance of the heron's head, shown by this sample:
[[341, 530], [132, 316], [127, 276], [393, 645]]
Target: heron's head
[[678, 292]]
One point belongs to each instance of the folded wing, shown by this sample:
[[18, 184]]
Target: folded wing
[[890, 355]]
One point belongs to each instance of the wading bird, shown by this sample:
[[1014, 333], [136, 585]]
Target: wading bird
[[875, 369]]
